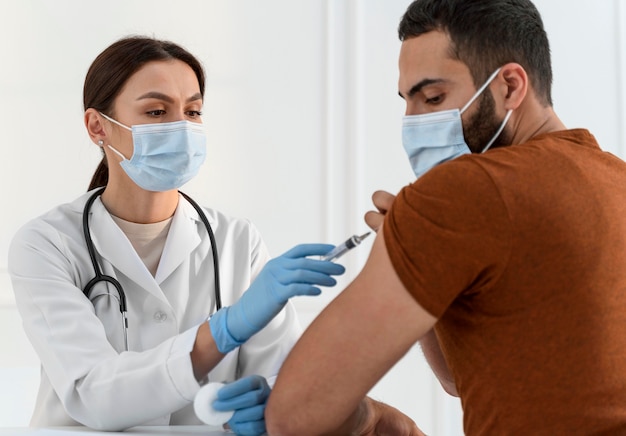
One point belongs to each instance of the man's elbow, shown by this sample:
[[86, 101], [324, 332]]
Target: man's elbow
[[277, 427], [282, 421], [277, 422]]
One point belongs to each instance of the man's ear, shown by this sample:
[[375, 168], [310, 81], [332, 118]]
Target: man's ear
[[95, 126], [512, 83]]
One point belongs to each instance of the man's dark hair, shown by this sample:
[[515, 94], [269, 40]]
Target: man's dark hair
[[486, 34]]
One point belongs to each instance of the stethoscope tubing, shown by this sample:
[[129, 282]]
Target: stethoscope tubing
[[121, 297]]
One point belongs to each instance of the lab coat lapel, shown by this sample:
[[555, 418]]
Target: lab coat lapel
[[182, 239], [113, 245]]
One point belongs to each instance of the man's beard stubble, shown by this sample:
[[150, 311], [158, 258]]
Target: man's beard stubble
[[483, 125]]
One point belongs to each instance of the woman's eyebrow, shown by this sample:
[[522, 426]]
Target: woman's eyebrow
[[167, 98]]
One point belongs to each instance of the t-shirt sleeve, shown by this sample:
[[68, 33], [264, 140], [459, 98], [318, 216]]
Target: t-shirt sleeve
[[448, 234]]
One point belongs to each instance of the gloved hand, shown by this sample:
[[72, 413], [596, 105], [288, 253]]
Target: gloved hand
[[282, 278], [247, 397]]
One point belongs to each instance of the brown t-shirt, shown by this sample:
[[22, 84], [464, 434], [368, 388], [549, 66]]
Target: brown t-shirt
[[521, 254]]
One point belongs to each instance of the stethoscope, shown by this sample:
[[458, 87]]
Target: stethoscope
[[121, 296]]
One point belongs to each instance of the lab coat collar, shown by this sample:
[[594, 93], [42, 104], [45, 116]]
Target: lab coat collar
[[113, 245], [182, 239]]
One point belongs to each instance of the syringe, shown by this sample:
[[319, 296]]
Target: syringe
[[342, 249]]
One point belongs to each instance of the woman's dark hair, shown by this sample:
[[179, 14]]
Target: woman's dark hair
[[487, 34], [110, 71]]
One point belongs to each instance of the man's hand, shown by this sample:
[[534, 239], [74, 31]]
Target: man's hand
[[382, 201], [379, 419]]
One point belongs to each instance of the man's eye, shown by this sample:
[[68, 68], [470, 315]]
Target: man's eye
[[434, 100]]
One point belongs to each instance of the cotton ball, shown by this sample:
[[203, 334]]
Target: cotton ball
[[202, 405]]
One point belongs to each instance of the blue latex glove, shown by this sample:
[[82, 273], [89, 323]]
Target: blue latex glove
[[247, 397], [283, 277]]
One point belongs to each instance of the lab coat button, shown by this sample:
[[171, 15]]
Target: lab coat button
[[160, 316]]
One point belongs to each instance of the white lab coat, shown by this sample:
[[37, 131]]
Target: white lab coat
[[85, 376]]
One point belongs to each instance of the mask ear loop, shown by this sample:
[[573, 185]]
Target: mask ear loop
[[506, 119], [481, 89], [117, 152], [116, 122], [121, 125]]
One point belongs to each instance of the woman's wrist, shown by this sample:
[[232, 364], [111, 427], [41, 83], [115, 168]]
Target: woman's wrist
[[204, 355]]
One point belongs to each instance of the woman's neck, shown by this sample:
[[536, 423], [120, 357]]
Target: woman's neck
[[136, 205]]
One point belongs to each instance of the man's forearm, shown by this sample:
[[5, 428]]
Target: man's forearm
[[355, 422]]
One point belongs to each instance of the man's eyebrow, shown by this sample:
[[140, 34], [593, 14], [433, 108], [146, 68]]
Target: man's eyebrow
[[167, 98], [418, 86]]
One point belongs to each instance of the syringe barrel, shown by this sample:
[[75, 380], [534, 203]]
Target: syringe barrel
[[340, 249]]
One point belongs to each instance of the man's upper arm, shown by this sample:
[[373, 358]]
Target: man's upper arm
[[346, 350]]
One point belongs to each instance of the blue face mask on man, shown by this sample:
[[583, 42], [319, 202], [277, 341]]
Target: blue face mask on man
[[165, 155], [434, 138]]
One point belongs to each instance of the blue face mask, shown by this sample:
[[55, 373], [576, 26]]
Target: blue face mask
[[165, 156], [434, 138]]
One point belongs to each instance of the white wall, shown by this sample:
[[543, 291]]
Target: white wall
[[303, 121]]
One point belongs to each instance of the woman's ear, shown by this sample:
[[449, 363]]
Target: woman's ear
[[513, 85], [95, 127]]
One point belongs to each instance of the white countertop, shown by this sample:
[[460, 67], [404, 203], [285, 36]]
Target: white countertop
[[178, 430]]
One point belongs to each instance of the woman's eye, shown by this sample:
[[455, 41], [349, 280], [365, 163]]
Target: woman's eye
[[194, 114], [156, 113]]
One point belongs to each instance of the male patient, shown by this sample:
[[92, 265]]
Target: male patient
[[505, 259]]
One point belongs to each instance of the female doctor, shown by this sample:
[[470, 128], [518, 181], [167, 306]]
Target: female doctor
[[119, 290]]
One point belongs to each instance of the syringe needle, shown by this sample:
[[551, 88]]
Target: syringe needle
[[346, 246]]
